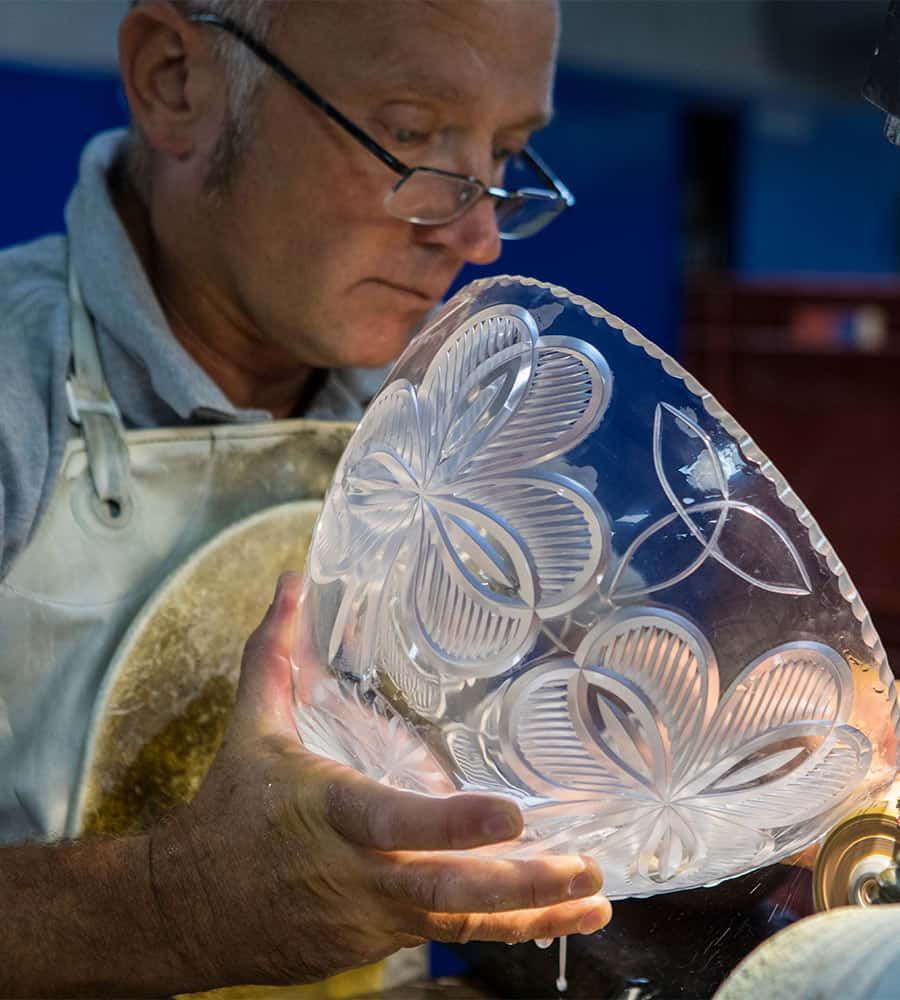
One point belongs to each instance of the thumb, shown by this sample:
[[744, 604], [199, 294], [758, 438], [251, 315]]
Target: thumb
[[264, 697]]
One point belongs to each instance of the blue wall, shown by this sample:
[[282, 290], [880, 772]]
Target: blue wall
[[819, 192], [47, 117], [617, 146]]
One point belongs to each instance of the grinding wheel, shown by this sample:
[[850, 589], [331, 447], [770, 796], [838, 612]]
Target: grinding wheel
[[852, 856]]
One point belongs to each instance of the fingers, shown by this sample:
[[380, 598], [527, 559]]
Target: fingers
[[583, 916], [456, 884], [264, 691], [387, 819]]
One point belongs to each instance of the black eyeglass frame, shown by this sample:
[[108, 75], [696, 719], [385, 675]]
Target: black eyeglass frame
[[561, 196]]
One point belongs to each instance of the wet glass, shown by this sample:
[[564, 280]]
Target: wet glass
[[551, 566]]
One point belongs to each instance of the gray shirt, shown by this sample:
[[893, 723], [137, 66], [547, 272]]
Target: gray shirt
[[152, 378]]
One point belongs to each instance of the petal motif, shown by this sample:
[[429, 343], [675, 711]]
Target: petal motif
[[340, 725], [584, 828], [757, 549], [724, 847], [671, 662], [637, 848], [665, 556], [672, 846], [489, 554], [373, 497], [679, 849], [541, 744], [794, 683], [561, 526], [620, 726], [681, 444], [358, 619], [660, 557], [473, 385], [755, 540], [741, 537], [565, 400], [840, 762], [474, 762], [470, 600], [330, 557], [422, 691], [381, 473], [392, 424]]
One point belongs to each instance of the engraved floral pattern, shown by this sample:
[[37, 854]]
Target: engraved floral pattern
[[443, 495], [714, 526], [670, 781], [337, 722], [520, 586]]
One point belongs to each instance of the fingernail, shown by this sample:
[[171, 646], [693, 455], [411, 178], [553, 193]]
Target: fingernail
[[500, 826], [591, 922], [584, 884]]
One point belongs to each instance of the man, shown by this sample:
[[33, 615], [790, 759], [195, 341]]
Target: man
[[243, 241]]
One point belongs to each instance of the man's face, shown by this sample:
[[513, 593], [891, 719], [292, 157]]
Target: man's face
[[310, 255]]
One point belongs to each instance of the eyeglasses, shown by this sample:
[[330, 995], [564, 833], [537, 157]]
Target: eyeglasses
[[428, 196]]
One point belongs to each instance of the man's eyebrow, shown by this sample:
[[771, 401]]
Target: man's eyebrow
[[532, 123], [447, 92], [425, 85]]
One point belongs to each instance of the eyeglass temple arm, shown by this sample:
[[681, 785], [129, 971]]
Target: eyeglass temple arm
[[541, 168], [288, 75]]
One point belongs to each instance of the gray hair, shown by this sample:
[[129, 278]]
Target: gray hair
[[244, 73]]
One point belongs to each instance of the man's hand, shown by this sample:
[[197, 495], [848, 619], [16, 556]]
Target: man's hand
[[288, 867]]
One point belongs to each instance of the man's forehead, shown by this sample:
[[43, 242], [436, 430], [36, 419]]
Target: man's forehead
[[362, 16], [443, 49]]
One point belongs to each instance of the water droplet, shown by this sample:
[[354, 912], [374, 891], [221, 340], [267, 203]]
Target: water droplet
[[562, 983]]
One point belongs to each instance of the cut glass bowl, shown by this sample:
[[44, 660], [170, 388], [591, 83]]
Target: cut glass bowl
[[551, 566]]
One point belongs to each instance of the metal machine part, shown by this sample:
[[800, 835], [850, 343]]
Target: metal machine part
[[882, 86], [858, 863], [889, 880], [852, 858]]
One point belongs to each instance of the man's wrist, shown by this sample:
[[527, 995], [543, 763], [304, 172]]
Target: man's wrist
[[80, 920], [183, 909]]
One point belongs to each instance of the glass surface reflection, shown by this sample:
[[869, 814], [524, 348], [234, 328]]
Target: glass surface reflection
[[552, 567]]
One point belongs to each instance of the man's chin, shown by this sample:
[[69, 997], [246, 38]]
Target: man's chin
[[377, 353], [384, 341]]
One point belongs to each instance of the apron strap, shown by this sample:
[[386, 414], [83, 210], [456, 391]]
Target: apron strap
[[92, 408]]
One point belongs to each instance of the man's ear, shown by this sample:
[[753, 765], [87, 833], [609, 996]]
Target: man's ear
[[169, 74]]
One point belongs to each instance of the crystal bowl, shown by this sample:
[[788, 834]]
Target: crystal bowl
[[551, 566]]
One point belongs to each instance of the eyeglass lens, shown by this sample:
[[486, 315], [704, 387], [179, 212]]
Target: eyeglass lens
[[433, 198]]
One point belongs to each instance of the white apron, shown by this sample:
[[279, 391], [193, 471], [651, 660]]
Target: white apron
[[127, 509]]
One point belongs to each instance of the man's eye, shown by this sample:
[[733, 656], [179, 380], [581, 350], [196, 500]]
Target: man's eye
[[503, 155], [409, 136]]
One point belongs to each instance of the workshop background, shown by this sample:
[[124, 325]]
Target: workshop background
[[736, 202]]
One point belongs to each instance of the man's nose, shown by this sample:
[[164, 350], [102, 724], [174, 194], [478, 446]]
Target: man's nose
[[474, 237]]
